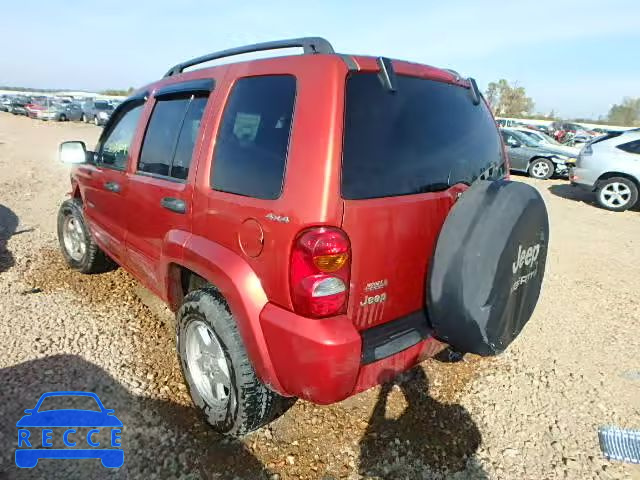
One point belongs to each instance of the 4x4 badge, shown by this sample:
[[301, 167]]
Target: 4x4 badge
[[277, 218]]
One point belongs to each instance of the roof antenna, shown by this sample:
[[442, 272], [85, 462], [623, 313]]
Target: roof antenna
[[387, 75]]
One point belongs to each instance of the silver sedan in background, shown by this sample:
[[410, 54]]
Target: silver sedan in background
[[62, 112]]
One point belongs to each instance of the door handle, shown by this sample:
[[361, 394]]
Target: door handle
[[112, 186], [174, 204]]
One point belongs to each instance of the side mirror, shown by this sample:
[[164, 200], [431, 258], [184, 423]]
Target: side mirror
[[109, 411], [72, 152], [29, 411], [515, 144]]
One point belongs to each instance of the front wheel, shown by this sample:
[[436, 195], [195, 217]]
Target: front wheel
[[617, 194], [541, 168], [79, 249], [222, 382], [84, 118]]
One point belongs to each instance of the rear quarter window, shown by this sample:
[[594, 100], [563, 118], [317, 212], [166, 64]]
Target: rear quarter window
[[253, 141], [424, 137], [631, 147]]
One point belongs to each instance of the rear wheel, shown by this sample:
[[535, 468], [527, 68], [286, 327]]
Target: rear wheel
[[617, 194], [96, 121], [84, 118], [63, 117], [541, 168], [217, 370], [79, 249]]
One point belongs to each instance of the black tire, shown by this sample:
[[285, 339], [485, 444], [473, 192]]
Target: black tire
[[541, 164], [627, 201], [96, 122], [94, 259], [63, 117], [83, 118], [254, 405]]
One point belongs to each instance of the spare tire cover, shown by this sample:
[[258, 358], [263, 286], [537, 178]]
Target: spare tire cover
[[488, 266]]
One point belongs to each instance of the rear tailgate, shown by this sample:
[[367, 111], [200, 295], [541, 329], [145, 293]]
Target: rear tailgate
[[407, 157], [392, 240]]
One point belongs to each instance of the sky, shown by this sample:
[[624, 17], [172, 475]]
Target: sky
[[574, 57]]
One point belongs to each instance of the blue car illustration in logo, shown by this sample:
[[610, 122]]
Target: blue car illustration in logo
[[32, 446]]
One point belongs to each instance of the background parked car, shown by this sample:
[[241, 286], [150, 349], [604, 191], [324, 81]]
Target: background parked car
[[5, 102], [610, 166], [545, 139], [96, 111], [36, 105], [538, 160], [579, 134], [18, 106], [62, 112]]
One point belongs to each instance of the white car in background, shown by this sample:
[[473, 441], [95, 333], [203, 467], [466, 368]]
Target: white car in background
[[610, 166], [545, 139]]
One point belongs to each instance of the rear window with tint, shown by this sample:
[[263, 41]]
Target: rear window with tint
[[631, 147], [425, 137]]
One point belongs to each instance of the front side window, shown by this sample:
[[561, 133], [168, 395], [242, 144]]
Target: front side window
[[171, 135], [253, 140], [117, 140]]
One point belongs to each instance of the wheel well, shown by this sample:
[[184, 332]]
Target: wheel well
[[181, 281], [608, 175], [76, 192]]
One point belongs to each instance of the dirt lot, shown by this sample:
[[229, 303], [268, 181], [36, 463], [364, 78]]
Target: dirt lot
[[531, 413]]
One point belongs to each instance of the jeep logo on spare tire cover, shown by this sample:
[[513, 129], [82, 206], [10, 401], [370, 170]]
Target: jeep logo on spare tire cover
[[488, 266]]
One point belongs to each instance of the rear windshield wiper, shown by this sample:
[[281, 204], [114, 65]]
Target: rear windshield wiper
[[431, 187], [476, 96]]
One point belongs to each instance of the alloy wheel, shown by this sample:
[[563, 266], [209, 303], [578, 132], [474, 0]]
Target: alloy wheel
[[74, 238], [540, 169], [207, 364], [615, 195]]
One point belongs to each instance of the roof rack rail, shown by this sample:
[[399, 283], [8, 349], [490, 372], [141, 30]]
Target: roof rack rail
[[309, 45]]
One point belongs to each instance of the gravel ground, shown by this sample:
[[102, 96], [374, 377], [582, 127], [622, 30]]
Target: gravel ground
[[531, 413]]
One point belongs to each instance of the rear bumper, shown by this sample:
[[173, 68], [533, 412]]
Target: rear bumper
[[324, 361], [583, 178]]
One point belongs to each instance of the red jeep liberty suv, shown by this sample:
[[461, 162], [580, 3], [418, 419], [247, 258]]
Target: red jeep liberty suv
[[316, 221]]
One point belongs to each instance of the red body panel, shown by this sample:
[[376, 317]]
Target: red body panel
[[315, 359], [234, 242], [391, 257]]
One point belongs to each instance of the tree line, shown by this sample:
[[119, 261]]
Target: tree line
[[511, 100]]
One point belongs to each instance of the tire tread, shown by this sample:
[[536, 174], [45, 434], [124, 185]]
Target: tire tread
[[256, 404]]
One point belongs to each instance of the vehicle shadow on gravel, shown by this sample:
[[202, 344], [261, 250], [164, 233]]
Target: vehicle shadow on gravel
[[579, 195], [427, 436], [161, 439], [8, 225], [568, 192]]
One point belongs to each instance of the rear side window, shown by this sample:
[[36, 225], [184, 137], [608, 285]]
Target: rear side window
[[425, 137], [252, 144], [171, 135], [631, 147]]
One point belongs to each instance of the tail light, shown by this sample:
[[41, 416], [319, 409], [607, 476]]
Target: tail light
[[320, 270]]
